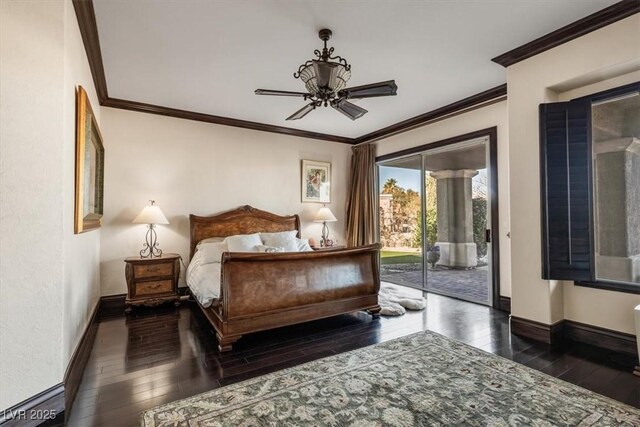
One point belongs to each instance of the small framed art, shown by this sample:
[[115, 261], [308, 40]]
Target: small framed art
[[316, 181]]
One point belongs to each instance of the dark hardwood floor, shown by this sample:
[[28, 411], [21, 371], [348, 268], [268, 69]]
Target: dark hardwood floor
[[156, 356]]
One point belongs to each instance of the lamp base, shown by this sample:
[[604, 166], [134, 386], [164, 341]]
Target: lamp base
[[325, 235], [150, 248]]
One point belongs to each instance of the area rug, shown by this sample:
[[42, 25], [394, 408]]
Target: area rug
[[423, 379], [395, 301]]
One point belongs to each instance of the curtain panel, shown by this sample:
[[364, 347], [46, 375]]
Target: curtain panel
[[361, 210]]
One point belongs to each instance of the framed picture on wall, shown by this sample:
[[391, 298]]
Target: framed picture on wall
[[89, 167], [316, 181]]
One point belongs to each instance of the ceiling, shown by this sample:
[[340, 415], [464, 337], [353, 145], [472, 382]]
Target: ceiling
[[209, 56]]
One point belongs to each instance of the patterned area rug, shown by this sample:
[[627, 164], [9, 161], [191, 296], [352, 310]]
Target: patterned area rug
[[423, 379]]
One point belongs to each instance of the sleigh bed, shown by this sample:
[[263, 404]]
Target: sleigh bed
[[260, 291]]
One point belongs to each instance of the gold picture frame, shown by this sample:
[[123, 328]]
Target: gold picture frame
[[316, 182], [89, 202]]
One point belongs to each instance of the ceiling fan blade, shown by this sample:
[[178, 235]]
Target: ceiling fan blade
[[349, 109], [372, 90], [280, 93], [302, 112]]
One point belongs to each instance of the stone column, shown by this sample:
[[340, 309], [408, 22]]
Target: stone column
[[455, 218], [617, 171]]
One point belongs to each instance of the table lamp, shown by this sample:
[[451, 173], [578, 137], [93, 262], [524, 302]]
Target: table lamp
[[324, 215], [151, 215]]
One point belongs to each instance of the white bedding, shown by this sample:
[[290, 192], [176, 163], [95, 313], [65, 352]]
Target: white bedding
[[203, 279]]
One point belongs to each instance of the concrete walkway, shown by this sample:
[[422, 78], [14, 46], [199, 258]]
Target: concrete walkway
[[471, 284]]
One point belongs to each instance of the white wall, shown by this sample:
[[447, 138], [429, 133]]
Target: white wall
[[201, 168], [31, 212], [598, 56], [482, 118], [48, 276], [81, 251]]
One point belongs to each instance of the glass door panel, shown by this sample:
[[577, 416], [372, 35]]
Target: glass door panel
[[400, 221], [616, 174], [435, 219], [456, 216]]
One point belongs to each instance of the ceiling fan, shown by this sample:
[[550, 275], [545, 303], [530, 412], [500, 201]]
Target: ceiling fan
[[325, 79]]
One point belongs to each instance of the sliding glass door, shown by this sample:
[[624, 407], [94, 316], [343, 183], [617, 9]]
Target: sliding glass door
[[435, 220], [400, 221]]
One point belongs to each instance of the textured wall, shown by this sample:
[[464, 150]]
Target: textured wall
[[49, 277], [201, 168], [31, 191]]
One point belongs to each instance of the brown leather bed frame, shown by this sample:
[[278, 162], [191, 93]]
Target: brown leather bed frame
[[261, 291]]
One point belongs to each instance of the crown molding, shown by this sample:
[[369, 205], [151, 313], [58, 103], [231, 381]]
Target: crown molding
[[473, 102], [85, 14], [219, 120], [579, 28], [89, 30], [87, 22]]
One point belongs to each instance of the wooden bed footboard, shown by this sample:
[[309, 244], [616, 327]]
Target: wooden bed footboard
[[265, 291]]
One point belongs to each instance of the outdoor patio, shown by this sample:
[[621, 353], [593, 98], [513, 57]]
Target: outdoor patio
[[468, 284]]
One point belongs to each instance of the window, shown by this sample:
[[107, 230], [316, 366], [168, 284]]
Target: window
[[590, 169]]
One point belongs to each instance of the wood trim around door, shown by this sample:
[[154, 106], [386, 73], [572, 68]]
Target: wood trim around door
[[492, 134]]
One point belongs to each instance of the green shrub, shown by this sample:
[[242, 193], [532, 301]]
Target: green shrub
[[480, 225]]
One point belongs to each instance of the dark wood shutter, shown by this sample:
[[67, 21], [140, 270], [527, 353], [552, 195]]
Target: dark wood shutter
[[566, 188]]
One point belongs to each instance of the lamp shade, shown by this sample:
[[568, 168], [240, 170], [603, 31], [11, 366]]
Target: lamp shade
[[151, 215], [325, 215]]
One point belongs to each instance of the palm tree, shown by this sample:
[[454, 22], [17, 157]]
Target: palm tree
[[389, 186]]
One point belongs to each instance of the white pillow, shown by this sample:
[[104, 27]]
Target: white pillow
[[212, 252], [209, 240], [269, 249], [243, 242], [303, 245], [283, 239]]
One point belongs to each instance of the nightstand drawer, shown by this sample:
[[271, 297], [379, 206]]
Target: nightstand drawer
[[154, 287], [152, 270]]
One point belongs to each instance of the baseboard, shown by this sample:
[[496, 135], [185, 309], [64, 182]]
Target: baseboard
[[111, 305], [618, 342], [505, 304], [549, 334], [78, 362], [37, 409], [57, 400], [569, 331]]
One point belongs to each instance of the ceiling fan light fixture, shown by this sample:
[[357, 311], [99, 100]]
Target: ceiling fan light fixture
[[310, 80], [325, 79]]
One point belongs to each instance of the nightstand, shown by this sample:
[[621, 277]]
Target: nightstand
[[152, 281]]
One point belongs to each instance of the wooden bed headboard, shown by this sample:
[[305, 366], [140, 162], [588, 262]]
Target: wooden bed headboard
[[244, 220]]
